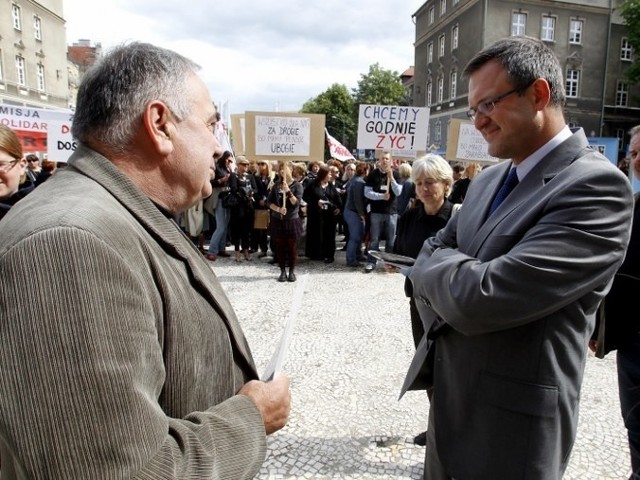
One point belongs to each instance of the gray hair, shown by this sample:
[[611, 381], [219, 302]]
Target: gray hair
[[526, 59], [432, 166], [116, 90], [634, 131]]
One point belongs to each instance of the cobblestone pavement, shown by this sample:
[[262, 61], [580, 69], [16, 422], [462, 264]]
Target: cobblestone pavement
[[349, 352]]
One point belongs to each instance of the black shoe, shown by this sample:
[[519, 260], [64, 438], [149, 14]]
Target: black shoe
[[420, 439], [292, 277], [328, 260], [282, 277]]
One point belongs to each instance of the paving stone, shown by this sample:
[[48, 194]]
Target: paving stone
[[348, 356]]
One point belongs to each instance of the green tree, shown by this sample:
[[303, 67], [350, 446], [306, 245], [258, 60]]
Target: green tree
[[336, 103], [630, 11], [380, 87]]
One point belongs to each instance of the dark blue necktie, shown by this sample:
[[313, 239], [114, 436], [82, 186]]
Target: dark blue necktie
[[509, 184]]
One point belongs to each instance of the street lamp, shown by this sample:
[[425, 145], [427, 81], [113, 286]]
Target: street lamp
[[335, 117]]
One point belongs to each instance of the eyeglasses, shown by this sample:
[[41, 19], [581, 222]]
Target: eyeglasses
[[30, 160], [6, 166], [487, 107]]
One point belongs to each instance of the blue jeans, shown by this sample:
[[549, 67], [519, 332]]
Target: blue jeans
[[628, 359], [355, 225], [219, 238], [382, 224]]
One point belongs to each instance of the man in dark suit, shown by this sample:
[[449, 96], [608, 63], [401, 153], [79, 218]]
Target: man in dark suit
[[508, 291], [619, 327], [128, 360]]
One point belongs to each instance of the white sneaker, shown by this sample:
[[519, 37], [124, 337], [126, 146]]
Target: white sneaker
[[369, 268]]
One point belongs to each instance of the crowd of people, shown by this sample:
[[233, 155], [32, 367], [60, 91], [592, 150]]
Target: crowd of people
[[358, 201], [139, 367]]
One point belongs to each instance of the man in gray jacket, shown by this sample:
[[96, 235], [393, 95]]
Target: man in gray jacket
[[508, 291], [128, 360]]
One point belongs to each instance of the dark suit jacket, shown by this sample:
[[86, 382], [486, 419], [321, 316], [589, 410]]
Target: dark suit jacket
[[127, 359], [617, 325], [518, 294]]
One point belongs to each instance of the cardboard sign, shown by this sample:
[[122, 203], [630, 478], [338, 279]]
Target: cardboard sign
[[277, 136], [466, 144]]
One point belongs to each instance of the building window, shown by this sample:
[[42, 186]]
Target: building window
[[40, 75], [454, 37], [572, 83], [441, 45], [454, 84], [443, 7], [440, 89], [37, 27], [432, 15], [17, 21], [625, 50], [518, 24], [575, 31], [548, 30], [21, 76], [620, 136], [622, 94], [438, 132], [429, 93], [430, 53]]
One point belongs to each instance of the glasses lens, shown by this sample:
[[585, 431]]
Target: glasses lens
[[6, 166]]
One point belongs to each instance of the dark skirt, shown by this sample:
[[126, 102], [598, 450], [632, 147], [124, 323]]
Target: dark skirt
[[285, 228]]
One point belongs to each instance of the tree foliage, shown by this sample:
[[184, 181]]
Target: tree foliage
[[378, 87], [336, 103], [630, 11]]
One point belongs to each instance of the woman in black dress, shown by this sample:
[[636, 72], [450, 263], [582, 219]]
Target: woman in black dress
[[285, 226], [323, 207]]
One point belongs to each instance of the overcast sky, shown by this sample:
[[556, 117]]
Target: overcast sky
[[260, 55]]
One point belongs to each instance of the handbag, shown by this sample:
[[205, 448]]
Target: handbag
[[261, 219], [230, 200]]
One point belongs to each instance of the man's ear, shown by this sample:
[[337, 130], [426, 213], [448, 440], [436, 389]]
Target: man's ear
[[159, 127], [542, 93]]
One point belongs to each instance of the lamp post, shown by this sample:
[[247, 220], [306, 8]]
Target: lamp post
[[335, 117]]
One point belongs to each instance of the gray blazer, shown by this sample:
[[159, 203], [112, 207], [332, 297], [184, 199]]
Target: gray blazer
[[518, 294], [126, 360]]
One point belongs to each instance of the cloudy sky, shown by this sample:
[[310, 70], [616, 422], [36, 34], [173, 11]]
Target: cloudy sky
[[260, 55]]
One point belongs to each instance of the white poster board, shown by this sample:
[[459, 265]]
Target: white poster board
[[41, 130], [384, 127]]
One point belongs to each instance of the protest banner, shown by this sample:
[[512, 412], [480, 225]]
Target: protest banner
[[336, 149], [238, 129], [277, 136], [41, 130], [466, 144], [383, 127], [607, 146]]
